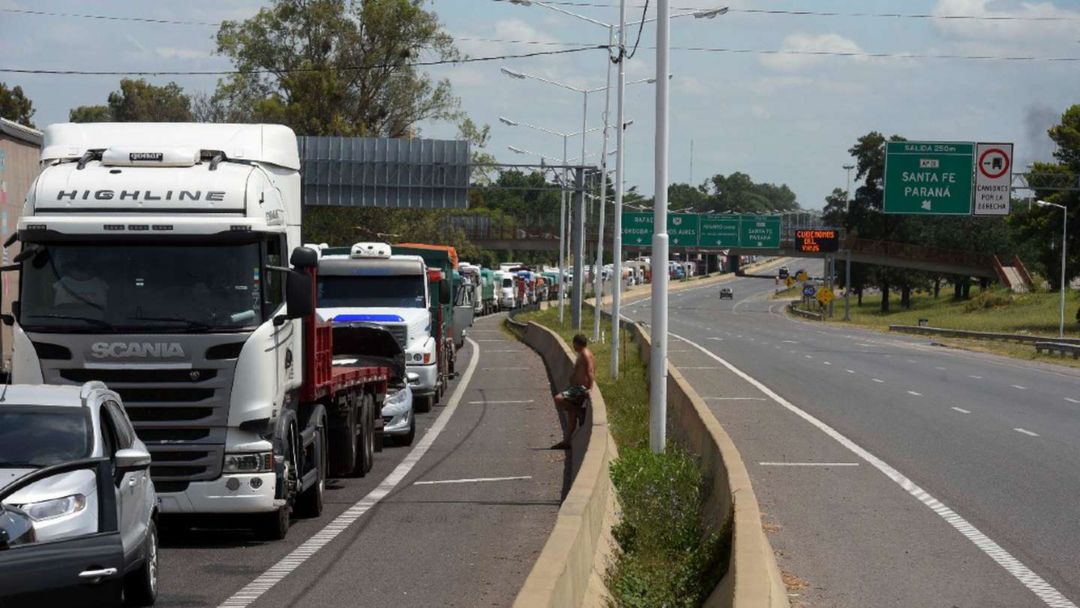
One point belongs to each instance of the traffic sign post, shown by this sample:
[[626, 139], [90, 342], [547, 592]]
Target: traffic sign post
[[993, 179], [929, 178], [824, 296]]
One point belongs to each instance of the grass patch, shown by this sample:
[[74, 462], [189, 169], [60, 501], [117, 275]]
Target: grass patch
[[992, 310], [667, 554]]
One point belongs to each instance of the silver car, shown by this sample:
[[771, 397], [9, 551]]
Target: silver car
[[47, 426]]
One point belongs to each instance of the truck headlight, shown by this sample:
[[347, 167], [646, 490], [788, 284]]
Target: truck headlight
[[417, 357], [260, 462], [55, 507]]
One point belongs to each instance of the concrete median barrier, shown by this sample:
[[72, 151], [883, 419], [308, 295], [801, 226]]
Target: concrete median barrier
[[571, 566]]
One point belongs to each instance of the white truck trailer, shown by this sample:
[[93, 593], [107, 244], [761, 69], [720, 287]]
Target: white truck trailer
[[155, 258]]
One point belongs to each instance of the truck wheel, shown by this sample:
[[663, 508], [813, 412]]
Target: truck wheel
[[423, 404], [140, 587], [273, 526], [310, 503], [343, 445], [367, 436]]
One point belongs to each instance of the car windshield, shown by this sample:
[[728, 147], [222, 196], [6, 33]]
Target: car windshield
[[508, 282], [381, 291], [36, 436], [142, 287]]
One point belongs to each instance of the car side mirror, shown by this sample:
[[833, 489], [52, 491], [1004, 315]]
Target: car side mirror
[[298, 296], [132, 459], [412, 377], [16, 528]]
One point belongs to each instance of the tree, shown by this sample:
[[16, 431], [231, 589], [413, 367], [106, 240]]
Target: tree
[[332, 67], [139, 101], [14, 105]]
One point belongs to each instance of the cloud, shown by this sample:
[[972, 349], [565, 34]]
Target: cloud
[[1029, 22], [791, 60], [1038, 118], [180, 53]]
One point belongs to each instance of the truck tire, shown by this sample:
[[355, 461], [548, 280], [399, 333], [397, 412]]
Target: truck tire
[[275, 525], [367, 436], [423, 404], [343, 444], [310, 503]]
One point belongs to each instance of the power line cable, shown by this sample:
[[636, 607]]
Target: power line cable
[[297, 70], [640, 29]]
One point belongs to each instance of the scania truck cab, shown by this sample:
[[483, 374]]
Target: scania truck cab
[[155, 257]]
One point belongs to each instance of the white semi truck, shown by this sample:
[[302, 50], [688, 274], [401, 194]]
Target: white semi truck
[[155, 257]]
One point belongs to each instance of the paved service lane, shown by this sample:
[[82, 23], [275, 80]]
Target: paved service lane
[[455, 520], [892, 472]]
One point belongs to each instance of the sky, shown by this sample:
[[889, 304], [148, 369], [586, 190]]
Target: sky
[[781, 118]]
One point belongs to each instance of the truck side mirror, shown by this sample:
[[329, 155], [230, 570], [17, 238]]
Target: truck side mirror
[[303, 258], [298, 297]]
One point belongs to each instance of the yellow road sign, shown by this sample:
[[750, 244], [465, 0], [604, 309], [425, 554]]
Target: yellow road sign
[[824, 296], [790, 282], [802, 276]]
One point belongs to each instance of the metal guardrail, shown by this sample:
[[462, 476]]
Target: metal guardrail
[[980, 335], [1060, 348], [804, 313]]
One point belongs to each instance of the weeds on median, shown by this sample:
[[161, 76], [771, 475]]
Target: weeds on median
[[667, 555]]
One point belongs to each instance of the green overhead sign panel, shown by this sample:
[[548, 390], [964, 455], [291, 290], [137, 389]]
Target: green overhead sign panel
[[705, 231], [762, 232], [719, 232], [682, 229], [929, 178]]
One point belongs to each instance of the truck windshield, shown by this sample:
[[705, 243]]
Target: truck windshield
[[381, 291], [141, 288], [37, 436]]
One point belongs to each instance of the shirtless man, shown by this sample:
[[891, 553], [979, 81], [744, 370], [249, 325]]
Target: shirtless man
[[572, 400]]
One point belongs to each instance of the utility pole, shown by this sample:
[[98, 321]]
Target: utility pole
[[577, 238], [598, 292], [847, 193], [658, 356], [562, 231], [616, 244], [847, 286]]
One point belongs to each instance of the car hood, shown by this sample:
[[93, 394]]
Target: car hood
[[57, 486]]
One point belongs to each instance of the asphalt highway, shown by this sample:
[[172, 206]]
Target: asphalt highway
[[891, 472], [457, 519]]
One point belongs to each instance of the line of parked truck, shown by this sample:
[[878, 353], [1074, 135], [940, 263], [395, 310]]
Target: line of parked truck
[[181, 358]]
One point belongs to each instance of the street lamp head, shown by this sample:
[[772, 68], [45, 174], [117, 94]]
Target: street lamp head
[[626, 125], [849, 167], [512, 73], [522, 2], [516, 150], [508, 122], [1044, 204], [711, 13]]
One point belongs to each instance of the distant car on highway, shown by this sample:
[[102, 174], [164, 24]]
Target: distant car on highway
[[726, 293], [783, 273], [77, 505]]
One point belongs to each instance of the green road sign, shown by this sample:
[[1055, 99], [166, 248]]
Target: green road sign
[[637, 229], [683, 229], [762, 232], [719, 231], [929, 178]]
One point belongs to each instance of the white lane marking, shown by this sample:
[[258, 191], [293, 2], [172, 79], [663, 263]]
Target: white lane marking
[[975, 377], [734, 399], [808, 356], [1019, 388], [827, 363], [911, 360], [1026, 432], [1035, 583], [850, 371], [914, 394], [499, 369], [697, 368], [716, 339], [506, 340], [962, 410], [864, 345], [879, 380], [939, 368], [500, 402], [809, 464], [790, 342], [503, 351], [1071, 400], [256, 588], [473, 480]]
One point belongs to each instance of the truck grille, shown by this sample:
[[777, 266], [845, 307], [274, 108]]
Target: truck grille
[[181, 414], [400, 333]]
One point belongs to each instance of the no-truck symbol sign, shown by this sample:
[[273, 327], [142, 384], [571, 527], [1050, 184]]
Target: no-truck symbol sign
[[993, 179]]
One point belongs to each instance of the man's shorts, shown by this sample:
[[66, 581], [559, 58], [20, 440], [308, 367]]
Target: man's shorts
[[575, 395]]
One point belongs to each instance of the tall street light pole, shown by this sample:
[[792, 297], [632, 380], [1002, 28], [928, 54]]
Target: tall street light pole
[[1064, 258], [658, 353], [620, 161]]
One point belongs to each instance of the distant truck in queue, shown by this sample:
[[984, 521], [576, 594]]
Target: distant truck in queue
[[154, 257], [454, 314], [366, 282]]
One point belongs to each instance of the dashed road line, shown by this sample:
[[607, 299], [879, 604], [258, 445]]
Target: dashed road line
[[976, 377], [850, 371], [734, 399], [482, 402], [473, 480], [878, 380], [265, 581], [1027, 577], [914, 394], [809, 464], [1071, 400], [962, 410], [1019, 388], [1026, 432]]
